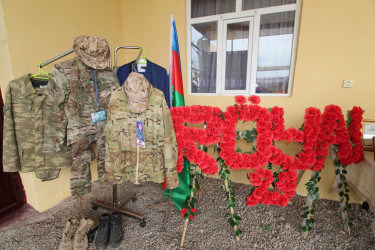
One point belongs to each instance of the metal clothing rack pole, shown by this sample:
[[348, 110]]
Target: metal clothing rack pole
[[56, 58], [125, 47], [61, 56]]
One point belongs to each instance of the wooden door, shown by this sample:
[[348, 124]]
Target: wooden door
[[12, 194]]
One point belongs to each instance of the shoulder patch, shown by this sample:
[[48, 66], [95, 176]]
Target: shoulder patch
[[5, 108]]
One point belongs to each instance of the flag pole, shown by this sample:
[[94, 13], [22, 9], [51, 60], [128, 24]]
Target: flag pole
[[171, 61]]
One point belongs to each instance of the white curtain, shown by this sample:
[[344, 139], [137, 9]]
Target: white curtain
[[275, 52]]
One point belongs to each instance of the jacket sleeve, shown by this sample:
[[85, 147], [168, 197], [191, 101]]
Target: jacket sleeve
[[111, 146], [55, 118], [11, 160], [170, 149]]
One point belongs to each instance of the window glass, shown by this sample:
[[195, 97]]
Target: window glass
[[237, 44], [257, 4], [275, 52], [200, 8], [231, 55], [203, 57]]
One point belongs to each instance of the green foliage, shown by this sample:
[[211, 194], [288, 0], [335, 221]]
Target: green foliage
[[313, 192], [238, 232], [248, 135], [340, 170], [190, 201], [265, 227], [343, 188], [233, 218]]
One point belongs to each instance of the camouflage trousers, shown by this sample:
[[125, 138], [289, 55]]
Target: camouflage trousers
[[83, 153]]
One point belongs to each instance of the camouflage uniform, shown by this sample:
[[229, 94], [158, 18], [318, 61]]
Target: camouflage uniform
[[71, 100], [158, 159], [24, 130]]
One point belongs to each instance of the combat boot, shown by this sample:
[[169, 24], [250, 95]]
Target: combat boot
[[102, 236], [80, 237], [116, 232], [67, 240]]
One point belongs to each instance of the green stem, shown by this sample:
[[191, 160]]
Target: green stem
[[234, 218], [313, 195]]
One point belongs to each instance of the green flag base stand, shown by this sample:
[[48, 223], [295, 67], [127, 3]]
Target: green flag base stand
[[169, 203]]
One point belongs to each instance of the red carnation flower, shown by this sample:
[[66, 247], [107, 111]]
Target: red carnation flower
[[240, 99], [252, 201], [184, 210], [254, 99]]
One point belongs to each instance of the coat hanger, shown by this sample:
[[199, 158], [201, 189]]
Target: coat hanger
[[141, 60], [42, 75]]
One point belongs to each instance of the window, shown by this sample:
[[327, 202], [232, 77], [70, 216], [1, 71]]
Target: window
[[242, 46]]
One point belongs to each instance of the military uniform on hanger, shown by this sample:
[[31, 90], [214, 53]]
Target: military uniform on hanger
[[138, 100], [24, 112], [79, 89]]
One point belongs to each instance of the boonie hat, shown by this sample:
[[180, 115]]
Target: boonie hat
[[137, 89], [92, 51]]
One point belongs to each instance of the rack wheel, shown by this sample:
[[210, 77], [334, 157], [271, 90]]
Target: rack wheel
[[143, 223], [94, 207], [134, 199]]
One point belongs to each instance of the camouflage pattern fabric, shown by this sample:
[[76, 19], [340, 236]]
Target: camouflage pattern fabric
[[92, 51], [71, 100], [24, 112], [137, 91], [158, 159]]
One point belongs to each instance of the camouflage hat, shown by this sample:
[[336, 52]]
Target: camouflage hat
[[137, 89], [92, 51]]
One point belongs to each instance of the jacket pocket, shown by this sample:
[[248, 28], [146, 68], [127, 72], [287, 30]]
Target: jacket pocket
[[21, 106], [23, 119]]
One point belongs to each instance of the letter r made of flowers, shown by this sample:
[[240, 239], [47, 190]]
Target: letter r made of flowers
[[189, 138]]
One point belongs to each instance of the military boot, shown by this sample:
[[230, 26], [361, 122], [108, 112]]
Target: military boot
[[80, 237], [67, 240], [115, 237], [102, 236]]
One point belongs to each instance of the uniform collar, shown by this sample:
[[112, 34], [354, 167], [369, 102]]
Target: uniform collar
[[27, 86], [85, 73]]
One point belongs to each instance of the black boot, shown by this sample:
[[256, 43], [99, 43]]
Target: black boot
[[102, 236], [115, 237]]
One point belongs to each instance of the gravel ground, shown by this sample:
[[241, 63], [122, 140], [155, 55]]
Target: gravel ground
[[209, 230]]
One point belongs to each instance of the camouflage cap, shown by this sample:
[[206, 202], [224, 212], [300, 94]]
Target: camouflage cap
[[137, 89], [92, 51]]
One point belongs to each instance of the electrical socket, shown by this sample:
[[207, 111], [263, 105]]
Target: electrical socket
[[348, 84]]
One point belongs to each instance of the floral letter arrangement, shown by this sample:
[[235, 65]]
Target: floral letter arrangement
[[269, 188]]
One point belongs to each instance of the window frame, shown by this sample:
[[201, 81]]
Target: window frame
[[254, 15], [221, 84]]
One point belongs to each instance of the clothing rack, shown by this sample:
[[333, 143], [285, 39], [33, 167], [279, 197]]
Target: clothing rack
[[116, 207], [169, 202]]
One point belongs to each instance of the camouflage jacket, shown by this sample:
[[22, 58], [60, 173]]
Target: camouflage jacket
[[71, 100], [24, 112], [158, 159]]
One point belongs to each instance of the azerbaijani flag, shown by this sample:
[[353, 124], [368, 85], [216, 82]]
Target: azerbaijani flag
[[180, 193], [175, 74]]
